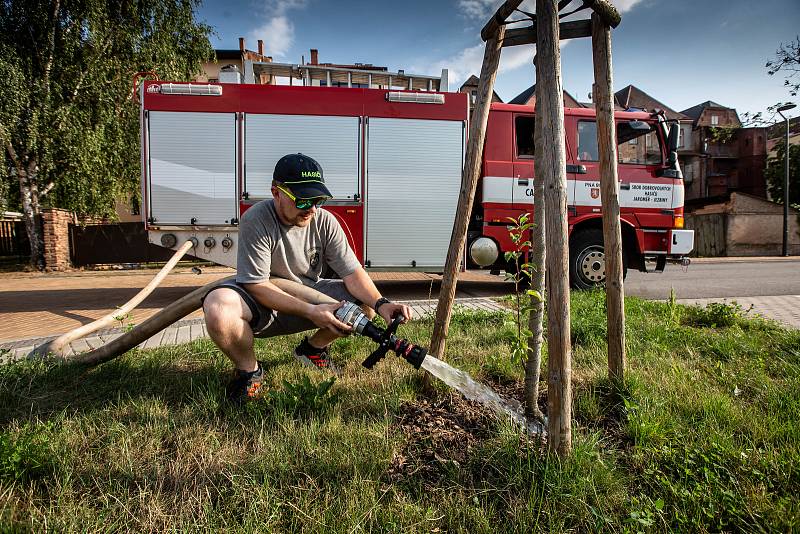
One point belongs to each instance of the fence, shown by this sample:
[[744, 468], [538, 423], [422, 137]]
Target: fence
[[114, 243], [14, 244], [709, 234]]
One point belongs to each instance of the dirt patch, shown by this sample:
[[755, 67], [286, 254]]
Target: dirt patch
[[442, 434]]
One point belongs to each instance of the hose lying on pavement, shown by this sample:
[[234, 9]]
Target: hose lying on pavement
[[179, 309], [56, 346], [149, 327]]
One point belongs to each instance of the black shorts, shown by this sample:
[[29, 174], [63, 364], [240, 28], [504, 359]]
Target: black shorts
[[269, 323]]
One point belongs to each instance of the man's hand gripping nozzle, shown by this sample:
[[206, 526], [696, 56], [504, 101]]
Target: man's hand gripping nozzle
[[352, 315]]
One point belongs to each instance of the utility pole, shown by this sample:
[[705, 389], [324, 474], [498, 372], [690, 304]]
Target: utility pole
[[785, 247]]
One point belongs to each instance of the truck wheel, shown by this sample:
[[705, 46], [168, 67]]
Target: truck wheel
[[587, 260]]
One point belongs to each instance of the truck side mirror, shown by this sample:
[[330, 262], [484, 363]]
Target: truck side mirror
[[672, 142]]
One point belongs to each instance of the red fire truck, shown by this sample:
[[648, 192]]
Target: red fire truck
[[393, 161]]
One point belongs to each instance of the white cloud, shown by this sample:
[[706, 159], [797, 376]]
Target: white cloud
[[468, 61], [483, 9], [625, 5], [278, 36], [278, 30]]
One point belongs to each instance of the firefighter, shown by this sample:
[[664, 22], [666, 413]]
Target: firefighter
[[288, 237]]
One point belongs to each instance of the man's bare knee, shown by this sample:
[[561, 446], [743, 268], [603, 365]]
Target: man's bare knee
[[224, 307]]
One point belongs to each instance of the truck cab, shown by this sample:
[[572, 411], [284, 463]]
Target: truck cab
[[651, 193]]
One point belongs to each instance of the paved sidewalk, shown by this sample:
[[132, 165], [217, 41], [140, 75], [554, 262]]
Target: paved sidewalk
[[188, 330]]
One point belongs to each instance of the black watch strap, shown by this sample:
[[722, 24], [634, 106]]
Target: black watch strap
[[380, 302]]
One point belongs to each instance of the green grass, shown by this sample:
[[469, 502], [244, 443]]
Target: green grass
[[703, 435]]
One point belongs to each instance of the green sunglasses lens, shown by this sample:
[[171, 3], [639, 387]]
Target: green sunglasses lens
[[307, 203]]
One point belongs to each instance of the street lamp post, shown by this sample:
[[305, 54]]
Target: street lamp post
[[785, 248]]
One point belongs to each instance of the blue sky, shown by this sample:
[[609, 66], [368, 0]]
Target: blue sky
[[682, 52]]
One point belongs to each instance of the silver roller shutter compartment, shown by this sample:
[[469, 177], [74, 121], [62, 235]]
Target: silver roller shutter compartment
[[413, 182], [332, 141], [192, 167]]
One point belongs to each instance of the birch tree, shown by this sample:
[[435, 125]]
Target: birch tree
[[68, 126]]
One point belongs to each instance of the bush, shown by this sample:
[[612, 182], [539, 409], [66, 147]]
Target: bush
[[716, 315]]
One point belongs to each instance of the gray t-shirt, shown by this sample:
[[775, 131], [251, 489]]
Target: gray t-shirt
[[269, 248]]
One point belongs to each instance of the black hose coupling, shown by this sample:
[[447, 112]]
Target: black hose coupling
[[352, 315]]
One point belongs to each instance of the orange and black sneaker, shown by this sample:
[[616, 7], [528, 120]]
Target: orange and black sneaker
[[246, 385], [311, 356]]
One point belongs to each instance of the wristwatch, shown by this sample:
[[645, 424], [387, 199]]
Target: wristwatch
[[380, 302]]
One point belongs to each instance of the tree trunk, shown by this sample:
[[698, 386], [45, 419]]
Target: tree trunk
[[30, 211], [533, 365], [551, 168]]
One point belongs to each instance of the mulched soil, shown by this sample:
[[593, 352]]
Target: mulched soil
[[442, 434]]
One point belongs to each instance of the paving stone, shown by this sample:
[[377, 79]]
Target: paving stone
[[170, 334], [154, 341], [80, 345], [196, 331], [183, 335]]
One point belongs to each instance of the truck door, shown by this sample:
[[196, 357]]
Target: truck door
[[413, 182], [192, 168], [639, 157], [524, 162]]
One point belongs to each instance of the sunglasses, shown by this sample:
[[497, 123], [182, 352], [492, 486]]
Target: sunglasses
[[303, 203]]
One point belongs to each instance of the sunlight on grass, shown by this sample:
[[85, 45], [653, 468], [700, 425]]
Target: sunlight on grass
[[703, 435]]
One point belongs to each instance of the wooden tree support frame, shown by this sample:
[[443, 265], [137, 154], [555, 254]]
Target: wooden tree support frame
[[546, 32]]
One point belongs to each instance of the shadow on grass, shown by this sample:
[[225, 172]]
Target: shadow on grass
[[605, 404], [38, 389]]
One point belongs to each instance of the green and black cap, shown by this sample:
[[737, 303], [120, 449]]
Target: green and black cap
[[302, 175]]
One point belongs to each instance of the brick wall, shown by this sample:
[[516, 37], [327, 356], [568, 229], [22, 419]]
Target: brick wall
[[55, 232]]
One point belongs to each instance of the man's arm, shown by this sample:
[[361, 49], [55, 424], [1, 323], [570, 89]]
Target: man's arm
[[274, 298], [361, 286]]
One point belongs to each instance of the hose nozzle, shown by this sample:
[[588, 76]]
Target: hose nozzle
[[352, 315]]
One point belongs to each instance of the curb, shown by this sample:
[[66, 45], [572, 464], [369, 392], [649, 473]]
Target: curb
[[188, 330]]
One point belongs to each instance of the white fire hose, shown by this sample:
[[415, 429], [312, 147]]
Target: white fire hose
[[56, 347]]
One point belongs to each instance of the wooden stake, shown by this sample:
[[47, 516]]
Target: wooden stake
[[499, 17], [551, 168], [469, 181], [609, 187]]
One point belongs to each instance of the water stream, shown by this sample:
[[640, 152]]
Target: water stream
[[475, 391]]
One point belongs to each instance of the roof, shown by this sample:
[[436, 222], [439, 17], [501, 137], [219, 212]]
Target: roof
[[473, 81], [633, 97], [525, 96], [694, 112]]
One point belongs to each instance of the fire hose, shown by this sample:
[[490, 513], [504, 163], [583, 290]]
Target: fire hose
[[56, 346], [350, 314]]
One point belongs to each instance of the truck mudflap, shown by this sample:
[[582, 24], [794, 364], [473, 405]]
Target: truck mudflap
[[681, 242]]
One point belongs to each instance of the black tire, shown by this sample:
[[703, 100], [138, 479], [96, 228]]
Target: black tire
[[587, 264]]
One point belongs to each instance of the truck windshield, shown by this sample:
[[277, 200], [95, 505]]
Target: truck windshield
[[636, 146]]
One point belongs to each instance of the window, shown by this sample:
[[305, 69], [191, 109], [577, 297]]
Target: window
[[629, 149], [524, 127], [646, 153], [681, 137], [473, 96], [587, 141], [714, 120]]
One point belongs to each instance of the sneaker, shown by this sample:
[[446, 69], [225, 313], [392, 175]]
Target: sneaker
[[311, 356], [245, 386]]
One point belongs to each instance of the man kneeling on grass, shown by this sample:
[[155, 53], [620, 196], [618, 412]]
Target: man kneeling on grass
[[288, 237]]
